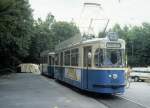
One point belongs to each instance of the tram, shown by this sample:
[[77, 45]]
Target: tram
[[91, 64]]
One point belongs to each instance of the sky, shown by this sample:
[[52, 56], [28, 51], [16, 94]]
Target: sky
[[125, 12]]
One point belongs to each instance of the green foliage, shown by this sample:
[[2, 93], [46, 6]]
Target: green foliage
[[16, 30], [47, 34], [41, 39], [62, 31], [22, 39], [101, 34], [137, 43]]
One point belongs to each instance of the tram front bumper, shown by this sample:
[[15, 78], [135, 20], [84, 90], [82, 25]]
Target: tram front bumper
[[108, 88], [109, 85]]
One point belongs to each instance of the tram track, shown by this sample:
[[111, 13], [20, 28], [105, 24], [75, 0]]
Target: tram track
[[115, 101], [110, 101]]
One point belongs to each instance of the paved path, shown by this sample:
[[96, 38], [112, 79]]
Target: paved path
[[27, 90], [139, 92]]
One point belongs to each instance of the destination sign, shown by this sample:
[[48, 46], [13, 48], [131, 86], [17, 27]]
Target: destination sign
[[113, 45]]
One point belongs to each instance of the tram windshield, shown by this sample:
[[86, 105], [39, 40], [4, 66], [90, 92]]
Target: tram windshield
[[113, 57], [109, 57]]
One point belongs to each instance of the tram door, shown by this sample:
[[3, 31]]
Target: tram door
[[87, 62]]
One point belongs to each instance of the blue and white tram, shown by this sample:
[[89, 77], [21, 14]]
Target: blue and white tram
[[95, 65], [47, 63]]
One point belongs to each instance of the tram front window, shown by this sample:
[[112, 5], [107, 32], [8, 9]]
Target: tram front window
[[113, 57], [108, 57], [98, 57]]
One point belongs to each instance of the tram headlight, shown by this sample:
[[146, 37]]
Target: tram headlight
[[109, 76], [114, 76]]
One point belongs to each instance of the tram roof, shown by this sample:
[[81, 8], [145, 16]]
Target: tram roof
[[94, 40], [81, 41], [51, 53], [100, 39]]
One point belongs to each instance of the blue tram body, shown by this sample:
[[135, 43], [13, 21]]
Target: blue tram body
[[99, 81], [95, 74]]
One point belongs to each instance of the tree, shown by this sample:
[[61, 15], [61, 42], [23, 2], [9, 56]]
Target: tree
[[102, 34], [137, 43], [47, 34], [16, 29], [41, 40], [62, 31]]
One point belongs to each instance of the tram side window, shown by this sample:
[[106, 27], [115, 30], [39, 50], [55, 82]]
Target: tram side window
[[44, 59], [86, 61], [67, 58], [98, 57], [57, 59], [50, 62], [74, 57], [61, 59]]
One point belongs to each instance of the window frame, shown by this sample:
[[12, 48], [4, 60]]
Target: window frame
[[97, 52], [57, 63], [62, 58], [75, 55], [122, 58], [86, 50], [67, 56]]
